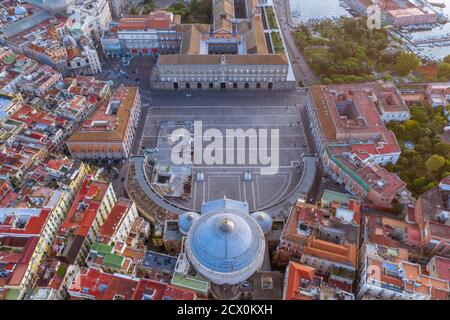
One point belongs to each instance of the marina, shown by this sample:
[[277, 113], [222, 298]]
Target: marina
[[306, 11], [428, 41]]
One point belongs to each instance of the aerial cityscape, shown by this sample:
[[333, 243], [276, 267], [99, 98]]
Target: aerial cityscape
[[224, 150]]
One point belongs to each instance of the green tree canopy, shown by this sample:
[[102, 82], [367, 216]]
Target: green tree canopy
[[435, 162], [442, 149], [133, 11], [444, 71], [405, 63]]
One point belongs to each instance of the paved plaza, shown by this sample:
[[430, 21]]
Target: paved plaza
[[254, 111]]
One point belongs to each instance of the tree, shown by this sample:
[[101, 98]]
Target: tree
[[442, 149], [149, 6], [425, 142], [389, 167], [434, 163], [447, 59], [445, 174], [444, 71], [405, 63], [133, 11], [420, 182], [411, 125], [419, 114]]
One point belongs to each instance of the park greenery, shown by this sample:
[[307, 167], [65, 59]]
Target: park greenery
[[271, 18], [435, 71], [443, 70], [133, 10], [428, 162], [277, 42], [148, 6], [346, 51], [197, 11]]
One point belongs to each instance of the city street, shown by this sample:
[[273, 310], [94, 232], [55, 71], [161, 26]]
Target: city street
[[302, 70]]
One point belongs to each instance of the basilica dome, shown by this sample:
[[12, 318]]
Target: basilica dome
[[186, 220], [20, 11], [264, 220], [225, 245]]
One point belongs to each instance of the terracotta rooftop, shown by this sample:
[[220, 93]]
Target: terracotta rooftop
[[153, 290], [442, 268], [84, 208], [348, 111], [98, 285], [295, 273], [114, 220], [22, 221], [108, 127], [345, 253], [15, 255], [155, 20]]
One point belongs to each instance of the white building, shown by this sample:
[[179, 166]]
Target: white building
[[116, 7], [89, 17], [386, 274]]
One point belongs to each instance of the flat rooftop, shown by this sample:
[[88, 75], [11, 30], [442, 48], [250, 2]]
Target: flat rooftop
[[159, 261]]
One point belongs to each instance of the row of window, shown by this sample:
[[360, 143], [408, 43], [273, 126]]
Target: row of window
[[203, 70], [206, 79]]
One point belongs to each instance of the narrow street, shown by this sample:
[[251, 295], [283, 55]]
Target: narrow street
[[302, 70]]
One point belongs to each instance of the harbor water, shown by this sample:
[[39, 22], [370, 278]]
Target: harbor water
[[432, 43]]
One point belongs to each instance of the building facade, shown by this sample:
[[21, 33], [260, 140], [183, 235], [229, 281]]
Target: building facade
[[109, 132], [180, 72]]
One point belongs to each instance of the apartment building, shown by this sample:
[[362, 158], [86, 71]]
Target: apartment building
[[347, 113], [386, 274], [109, 132], [94, 284], [149, 35], [222, 71], [432, 217], [118, 224], [357, 170], [26, 236], [324, 239], [78, 231], [302, 283]]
